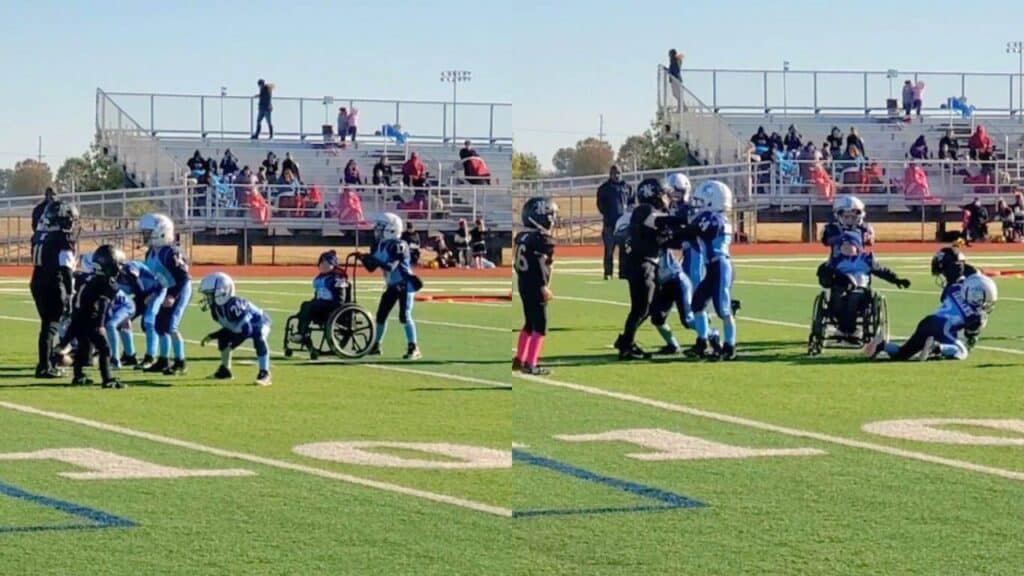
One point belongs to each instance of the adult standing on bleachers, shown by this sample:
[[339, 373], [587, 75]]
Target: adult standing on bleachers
[[342, 123], [854, 139], [918, 92], [196, 163], [793, 141], [614, 198], [265, 107], [675, 73], [908, 98], [228, 164], [948, 146], [353, 124], [290, 164]]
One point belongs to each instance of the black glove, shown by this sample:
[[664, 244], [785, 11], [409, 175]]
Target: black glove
[[972, 339], [903, 283], [370, 262]]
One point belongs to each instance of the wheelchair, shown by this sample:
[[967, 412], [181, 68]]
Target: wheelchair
[[348, 331], [872, 319]]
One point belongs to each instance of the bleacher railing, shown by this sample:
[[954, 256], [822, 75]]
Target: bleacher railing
[[136, 149], [233, 117], [849, 91]]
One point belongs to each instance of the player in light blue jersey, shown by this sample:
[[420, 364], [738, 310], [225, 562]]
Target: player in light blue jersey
[[392, 257], [240, 320], [166, 261], [136, 286]]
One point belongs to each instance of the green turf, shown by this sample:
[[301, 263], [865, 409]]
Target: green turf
[[278, 521], [849, 511]]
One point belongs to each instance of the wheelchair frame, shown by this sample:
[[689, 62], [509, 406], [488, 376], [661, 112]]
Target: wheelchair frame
[[875, 318], [348, 331]]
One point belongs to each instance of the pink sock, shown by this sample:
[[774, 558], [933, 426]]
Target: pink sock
[[533, 350], [524, 339]]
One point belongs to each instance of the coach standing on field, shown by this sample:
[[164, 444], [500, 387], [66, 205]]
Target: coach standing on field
[[614, 198]]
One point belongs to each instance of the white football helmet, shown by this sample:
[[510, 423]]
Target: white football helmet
[[849, 211], [216, 288], [980, 291], [680, 187], [712, 196], [157, 230], [388, 226]]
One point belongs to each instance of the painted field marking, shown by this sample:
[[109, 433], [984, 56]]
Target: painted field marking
[[103, 465], [666, 500], [271, 462], [96, 518], [768, 427]]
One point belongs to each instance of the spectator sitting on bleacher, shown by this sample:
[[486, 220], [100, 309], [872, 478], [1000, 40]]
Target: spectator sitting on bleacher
[[919, 149], [809, 157], [350, 206], [760, 142], [851, 159], [775, 143], [196, 163], [291, 165], [245, 185], [948, 146], [793, 140], [352, 176], [270, 167], [475, 170], [908, 98], [835, 141], [854, 139], [826, 154], [228, 164], [382, 172], [342, 124], [286, 187], [414, 172], [980, 145], [467, 150]]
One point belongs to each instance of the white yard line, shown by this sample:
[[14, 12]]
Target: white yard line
[[740, 421], [271, 462]]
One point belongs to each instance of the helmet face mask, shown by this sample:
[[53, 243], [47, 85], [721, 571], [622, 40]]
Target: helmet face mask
[[680, 187], [107, 261], [712, 196], [157, 230], [388, 227], [651, 192], [980, 291], [541, 214], [948, 265], [849, 211], [217, 289]]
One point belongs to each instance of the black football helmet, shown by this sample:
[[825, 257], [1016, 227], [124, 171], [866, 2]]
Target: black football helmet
[[540, 213], [651, 192], [59, 216], [948, 265], [107, 261]]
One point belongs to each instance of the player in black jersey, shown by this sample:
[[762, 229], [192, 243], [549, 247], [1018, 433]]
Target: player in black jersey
[[89, 315], [650, 229], [534, 253], [53, 260]]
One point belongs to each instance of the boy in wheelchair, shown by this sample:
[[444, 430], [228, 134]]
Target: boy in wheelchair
[[847, 277], [330, 291], [847, 216]]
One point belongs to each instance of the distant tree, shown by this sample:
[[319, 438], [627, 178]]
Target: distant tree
[[30, 178], [525, 166], [633, 152], [652, 150], [91, 171], [563, 161]]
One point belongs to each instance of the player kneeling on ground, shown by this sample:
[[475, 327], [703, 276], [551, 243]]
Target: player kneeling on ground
[[90, 313], [329, 288], [534, 253], [240, 320], [392, 257], [964, 306], [847, 276]]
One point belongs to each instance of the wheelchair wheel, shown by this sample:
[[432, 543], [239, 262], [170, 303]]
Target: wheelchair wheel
[[881, 317], [816, 341], [289, 329], [350, 331]]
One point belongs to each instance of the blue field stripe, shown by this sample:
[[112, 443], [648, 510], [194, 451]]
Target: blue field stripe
[[97, 518], [667, 500]]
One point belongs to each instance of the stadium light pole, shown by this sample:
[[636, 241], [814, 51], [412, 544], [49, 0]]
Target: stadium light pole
[[785, 91], [223, 93], [455, 77], [1017, 47]]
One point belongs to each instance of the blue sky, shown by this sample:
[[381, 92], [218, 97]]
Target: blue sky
[[561, 64]]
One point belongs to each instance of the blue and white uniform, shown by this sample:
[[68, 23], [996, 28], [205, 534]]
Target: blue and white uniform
[[139, 286], [693, 259], [393, 258], [713, 238], [241, 320], [167, 263], [954, 315]]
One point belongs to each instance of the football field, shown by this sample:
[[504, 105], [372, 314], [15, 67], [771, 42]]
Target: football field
[[374, 467], [778, 463]]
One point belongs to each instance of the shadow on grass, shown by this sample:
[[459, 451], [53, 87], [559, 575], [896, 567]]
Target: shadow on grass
[[330, 361], [463, 389]]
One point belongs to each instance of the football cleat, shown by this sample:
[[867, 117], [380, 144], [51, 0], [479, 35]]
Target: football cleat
[[129, 360], [81, 380], [159, 366], [698, 350], [178, 368], [223, 373], [535, 370], [263, 378], [374, 350], [517, 364], [114, 384], [413, 353], [48, 373], [146, 362], [728, 353], [634, 353]]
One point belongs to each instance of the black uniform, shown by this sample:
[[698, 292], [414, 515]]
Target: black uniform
[[535, 251], [90, 309], [649, 230], [53, 260]]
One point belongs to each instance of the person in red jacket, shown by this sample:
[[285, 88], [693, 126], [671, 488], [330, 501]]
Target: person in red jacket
[[414, 172], [980, 145], [476, 170]]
